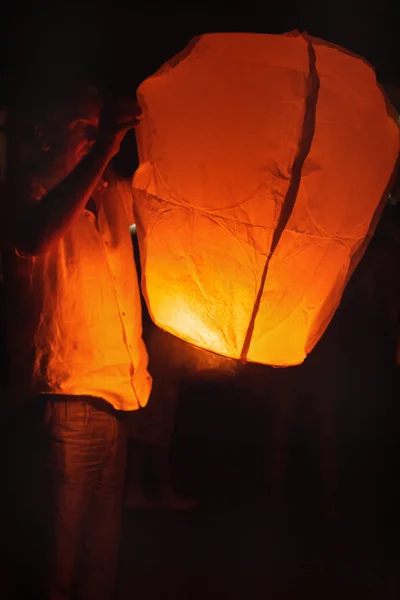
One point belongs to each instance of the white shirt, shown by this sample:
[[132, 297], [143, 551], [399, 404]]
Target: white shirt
[[73, 315]]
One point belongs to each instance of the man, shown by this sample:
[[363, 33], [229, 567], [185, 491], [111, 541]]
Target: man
[[73, 329]]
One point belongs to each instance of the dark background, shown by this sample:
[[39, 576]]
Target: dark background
[[119, 46], [114, 42], [223, 550]]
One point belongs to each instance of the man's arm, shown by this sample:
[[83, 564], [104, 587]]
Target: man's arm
[[33, 227]]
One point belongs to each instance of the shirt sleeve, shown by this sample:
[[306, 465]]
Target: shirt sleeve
[[125, 191]]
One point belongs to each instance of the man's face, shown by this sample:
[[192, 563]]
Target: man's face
[[73, 132]]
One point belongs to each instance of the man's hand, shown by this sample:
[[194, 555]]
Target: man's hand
[[116, 119]]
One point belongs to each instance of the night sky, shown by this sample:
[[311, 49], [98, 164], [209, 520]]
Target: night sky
[[119, 47], [128, 44]]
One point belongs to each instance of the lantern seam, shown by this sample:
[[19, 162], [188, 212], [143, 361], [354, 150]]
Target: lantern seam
[[304, 147]]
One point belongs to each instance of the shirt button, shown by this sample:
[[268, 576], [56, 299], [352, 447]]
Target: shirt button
[[123, 314]]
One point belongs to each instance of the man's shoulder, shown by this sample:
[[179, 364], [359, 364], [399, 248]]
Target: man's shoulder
[[119, 190], [112, 177]]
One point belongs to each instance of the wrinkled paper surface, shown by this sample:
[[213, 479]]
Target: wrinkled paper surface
[[263, 165]]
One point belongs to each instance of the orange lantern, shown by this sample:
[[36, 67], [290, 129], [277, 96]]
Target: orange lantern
[[264, 161]]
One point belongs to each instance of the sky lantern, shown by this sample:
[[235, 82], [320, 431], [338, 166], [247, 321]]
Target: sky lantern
[[265, 162]]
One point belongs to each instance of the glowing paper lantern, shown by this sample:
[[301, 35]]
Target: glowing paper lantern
[[263, 163]]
